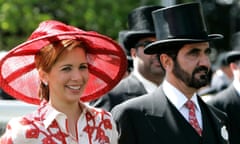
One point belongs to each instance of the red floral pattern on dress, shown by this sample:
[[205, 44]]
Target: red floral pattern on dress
[[97, 122], [92, 126], [34, 131]]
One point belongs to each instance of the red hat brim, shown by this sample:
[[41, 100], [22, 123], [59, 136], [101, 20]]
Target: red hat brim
[[20, 79]]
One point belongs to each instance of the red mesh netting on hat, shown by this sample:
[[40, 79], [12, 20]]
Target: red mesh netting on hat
[[19, 77]]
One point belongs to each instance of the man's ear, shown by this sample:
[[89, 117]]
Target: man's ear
[[166, 61], [133, 52]]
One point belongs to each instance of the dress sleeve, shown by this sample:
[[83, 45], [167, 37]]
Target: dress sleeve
[[14, 133]]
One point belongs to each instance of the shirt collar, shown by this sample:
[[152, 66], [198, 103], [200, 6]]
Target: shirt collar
[[176, 97], [236, 85], [52, 114], [49, 114], [148, 85]]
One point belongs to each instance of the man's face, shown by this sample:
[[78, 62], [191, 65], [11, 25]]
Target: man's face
[[146, 64], [192, 64]]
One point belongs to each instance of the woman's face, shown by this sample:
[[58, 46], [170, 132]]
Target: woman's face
[[68, 76]]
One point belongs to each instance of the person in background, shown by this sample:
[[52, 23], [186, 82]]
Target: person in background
[[222, 74], [221, 77], [60, 67], [147, 73], [174, 113], [228, 100], [121, 37]]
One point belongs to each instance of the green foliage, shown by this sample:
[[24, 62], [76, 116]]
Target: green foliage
[[18, 18]]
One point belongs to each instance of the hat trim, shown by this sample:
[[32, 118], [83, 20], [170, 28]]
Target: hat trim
[[5, 85], [232, 56], [155, 47], [130, 38]]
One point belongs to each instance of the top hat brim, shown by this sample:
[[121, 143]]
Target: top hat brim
[[162, 46], [132, 37], [232, 56]]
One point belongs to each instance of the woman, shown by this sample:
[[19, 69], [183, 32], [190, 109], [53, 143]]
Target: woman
[[72, 66]]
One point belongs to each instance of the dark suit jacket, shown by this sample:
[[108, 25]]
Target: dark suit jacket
[[128, 88], [152, 119], [228, 101]]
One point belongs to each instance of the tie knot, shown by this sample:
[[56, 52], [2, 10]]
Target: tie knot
[[189, 104]]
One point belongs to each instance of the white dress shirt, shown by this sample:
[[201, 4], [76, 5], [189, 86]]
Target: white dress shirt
[[178, 99], [148, 85]]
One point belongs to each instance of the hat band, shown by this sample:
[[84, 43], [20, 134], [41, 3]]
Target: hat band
[[198, 36]]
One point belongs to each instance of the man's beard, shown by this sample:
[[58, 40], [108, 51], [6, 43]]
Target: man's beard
[[191, 80]]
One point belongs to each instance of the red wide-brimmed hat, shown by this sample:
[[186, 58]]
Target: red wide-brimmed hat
[[19, 76]]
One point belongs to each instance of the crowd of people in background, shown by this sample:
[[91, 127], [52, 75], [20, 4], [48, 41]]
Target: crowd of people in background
[[167, 49], [146, 73]]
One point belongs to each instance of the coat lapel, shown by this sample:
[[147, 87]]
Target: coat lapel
[[161, 120], [160, 117], [218, 120]]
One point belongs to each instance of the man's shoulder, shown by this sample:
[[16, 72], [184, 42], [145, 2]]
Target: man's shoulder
[[224, 96], [128, 88], [129, 80], [217, 111], [130, 85], [141, 103]]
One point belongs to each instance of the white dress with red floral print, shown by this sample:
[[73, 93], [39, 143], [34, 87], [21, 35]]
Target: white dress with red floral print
[[49, 126]]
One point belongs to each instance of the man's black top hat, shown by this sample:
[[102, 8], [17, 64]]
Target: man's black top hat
[[121, 36], [140, 25], [179, 24], [233, 56]]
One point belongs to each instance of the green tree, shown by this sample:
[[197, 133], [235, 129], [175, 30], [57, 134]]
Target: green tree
[[18, 18]]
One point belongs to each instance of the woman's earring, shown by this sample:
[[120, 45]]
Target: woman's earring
[[45, 83]]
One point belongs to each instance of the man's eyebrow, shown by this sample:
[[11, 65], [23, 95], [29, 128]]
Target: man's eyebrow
[[194, 50]]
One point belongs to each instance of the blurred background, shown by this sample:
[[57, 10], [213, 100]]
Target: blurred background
[[19, 18]]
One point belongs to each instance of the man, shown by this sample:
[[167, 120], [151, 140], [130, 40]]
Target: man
[[223, 75], [220, 79], [228, 100], [163, 116], [147, 73]]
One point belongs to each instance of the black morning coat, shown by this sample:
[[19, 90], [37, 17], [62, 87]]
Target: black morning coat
[[152, 119], [228, 101], [129, 87]]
